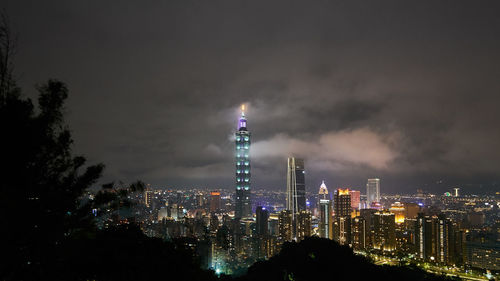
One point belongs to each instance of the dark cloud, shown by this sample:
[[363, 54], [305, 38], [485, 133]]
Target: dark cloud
[[404, 91]]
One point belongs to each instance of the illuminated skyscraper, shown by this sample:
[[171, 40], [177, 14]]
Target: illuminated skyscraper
[[302, 225], [372, 191], [148, 197], [323, 191], [243, 204], [261, 224], [359, 233], [342, 206], [214, 201], [325, 213], [296, 186], [325, 219], [384, 231], [398, 209], [355, 198], [435, 238], [285, 226]]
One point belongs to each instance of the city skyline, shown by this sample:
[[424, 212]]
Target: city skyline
[[248, 140], [405, 93]]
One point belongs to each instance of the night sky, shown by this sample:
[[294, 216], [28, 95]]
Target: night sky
[[408, 91]]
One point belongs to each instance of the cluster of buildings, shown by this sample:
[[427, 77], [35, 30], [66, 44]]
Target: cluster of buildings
[[229, 231]]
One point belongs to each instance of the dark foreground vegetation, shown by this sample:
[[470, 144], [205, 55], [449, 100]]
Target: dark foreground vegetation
[[323, 259], [49, 232]]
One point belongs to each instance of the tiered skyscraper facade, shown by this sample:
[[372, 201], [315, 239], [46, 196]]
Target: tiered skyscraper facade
[[243, 203]]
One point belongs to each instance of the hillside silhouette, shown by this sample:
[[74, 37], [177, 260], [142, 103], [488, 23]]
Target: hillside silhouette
[[323, 259]]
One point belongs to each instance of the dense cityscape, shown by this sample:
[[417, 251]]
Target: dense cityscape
[[226, 140], [450, 233]]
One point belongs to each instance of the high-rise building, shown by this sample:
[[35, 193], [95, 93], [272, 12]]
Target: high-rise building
[[359, 233], [261, 223], [355, 198], [303, 225], [296, 186], [342, 206], [148, 197], [262, 240], [368, 215], [436, 239], [285, 226], [456, 191], [214, 201], [384, 231], [372, 191], [243, 205], [398, 209], [325, 224]]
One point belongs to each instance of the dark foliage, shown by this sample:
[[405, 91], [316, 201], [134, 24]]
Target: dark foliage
[[323, 259]]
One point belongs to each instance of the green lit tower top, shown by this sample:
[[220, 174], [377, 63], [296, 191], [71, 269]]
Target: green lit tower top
[[243, 203]]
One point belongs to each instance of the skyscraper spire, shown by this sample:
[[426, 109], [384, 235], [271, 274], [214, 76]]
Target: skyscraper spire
[[242, 125], [323, 191]]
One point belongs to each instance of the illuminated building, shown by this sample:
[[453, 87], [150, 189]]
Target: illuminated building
[[355, 199], [323, 191], [368, 215], [384, 231], [483, 255], [372, 191], [398, 210], [359, 235], [342, 206], [243, 205], [423, 237], [262, 241], [456, 191], [214, 201], [411, 210], [148, 198], [325, 212], [303, 225], [325, 219], [436, 239], [285, 225], [261, 223], [296, 186]]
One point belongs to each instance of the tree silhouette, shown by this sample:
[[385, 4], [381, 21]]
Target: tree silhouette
[[323, 259], [50, 231]]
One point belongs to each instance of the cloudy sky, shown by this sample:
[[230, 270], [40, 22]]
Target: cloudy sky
[[408, 91]]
